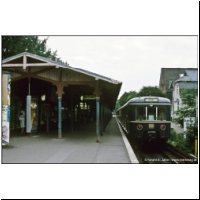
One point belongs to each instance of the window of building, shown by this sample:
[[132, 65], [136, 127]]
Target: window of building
[[177, 89], [175, 106]]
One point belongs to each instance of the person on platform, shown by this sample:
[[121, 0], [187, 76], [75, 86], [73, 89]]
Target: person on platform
[[22, 119]]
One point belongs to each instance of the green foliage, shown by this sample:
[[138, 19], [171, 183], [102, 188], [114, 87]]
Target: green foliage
[[177, 140], [124, 98], [12, 45], [186, 141], [131, 95], [145, 91], [150, 90], [188, 109], [188, 97], [127, 96], [117, 105]]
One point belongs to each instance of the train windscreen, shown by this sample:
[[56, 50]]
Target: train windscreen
[[151, 113]]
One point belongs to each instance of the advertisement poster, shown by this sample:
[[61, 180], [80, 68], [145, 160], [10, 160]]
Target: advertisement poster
[[6, 81], [31, 114], [34, 115]]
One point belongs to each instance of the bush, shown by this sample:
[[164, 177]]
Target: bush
[[183, 142]]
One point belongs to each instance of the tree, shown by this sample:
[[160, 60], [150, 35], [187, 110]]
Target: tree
[[125, 98], [150, 90], [131, 95], [145, 91], [12, 45], [188, 109], [117, 105]]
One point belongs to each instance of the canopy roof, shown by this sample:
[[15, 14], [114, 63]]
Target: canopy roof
[[28, 65]]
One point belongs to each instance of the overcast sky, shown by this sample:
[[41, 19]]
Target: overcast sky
[[136, 61]]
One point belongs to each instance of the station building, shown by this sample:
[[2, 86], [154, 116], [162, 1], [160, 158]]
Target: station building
[[55, 96]]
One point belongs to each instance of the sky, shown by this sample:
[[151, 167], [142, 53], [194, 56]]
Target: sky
[[136, 61]]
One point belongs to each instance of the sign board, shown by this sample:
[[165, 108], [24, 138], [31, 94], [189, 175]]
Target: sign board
[[151, 99], [187, 121]]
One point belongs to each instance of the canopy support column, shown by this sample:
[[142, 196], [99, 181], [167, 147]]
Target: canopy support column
[[59, 93], [59, 117], [97, 93], [97, 117]]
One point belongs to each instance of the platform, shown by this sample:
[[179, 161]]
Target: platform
[[79, 146]]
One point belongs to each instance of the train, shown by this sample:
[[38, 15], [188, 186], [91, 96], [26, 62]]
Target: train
[[146, 118]]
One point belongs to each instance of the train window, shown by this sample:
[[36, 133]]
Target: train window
[[162, 113], [151, 117], [140, 113], [152, 113]]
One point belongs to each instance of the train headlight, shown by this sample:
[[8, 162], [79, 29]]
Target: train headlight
[[162, 127], [139, 127]]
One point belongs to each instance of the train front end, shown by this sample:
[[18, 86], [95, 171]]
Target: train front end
[[149, 119]]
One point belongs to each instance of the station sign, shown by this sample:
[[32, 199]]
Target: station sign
[[151, 100], [88, 97]]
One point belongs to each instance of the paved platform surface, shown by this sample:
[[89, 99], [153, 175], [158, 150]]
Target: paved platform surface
[[79, 146]]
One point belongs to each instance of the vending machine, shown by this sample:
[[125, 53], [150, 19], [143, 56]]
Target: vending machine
[[31, 114]]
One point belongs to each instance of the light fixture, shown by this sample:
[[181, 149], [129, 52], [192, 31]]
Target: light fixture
[[162, 127], [139, 127], [43, 97], [33, 105]]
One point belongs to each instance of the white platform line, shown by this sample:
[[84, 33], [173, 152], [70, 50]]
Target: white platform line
[[131, 154]]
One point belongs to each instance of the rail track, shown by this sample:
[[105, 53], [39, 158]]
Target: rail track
[[178, 156], [156, 154], [167, 154]]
